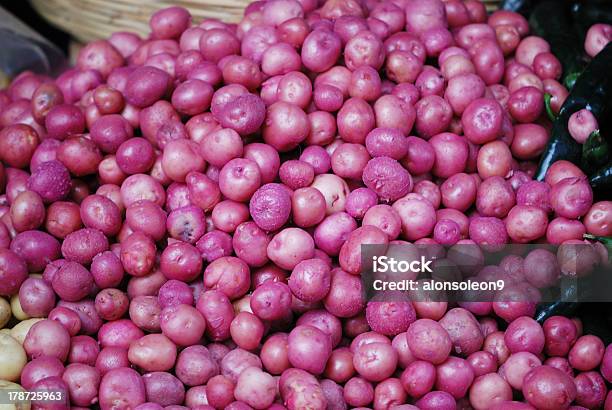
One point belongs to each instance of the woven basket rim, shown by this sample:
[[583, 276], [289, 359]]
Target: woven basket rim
[[88, 20]]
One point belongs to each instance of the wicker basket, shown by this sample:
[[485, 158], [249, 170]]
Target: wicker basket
[[88, 20]]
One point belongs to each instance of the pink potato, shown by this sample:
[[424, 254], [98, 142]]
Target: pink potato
[[299, 389], [429, 341], [516, 368], [308, 349], [47, 338], [489, 390], [121, 387], [598, 36], [548, 388], [464, 331]]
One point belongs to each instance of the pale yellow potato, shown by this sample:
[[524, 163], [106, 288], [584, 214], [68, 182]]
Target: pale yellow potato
[[243, 304], [16, 308], [21, 329], [5, 312], [4, 385], [12, 358]]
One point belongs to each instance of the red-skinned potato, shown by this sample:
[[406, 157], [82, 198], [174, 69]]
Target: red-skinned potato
[[182, 214]]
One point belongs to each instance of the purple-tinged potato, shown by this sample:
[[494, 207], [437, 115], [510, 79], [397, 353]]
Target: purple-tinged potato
[[236, 361], [571, 197], [195, 365], [217, 309], [386, 142], [333, 231], [489, 390], [548, 388], [418, 378], [387, 178], [289, 247], [524, 335], [39, 369], [271, 300], [308, 207], [228, 274], [47, 338], [526, 223], [598, 220], [81, 246], [50, 180], [390, 317], [36, 248], [587, 353], [345, 298], [598, 36], [121, 387], [482, 363], [451, 154], [83, 382], [72, 282], [256, 388], [435, 400], [308, 348], [590, 389], [463, 330], [183, 324], [454, 376], [429, 341], [299, 389], [350, 253], [310, 280], [418, 217], [163, 388], [516, 368], [270, 207], [13, 272]]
